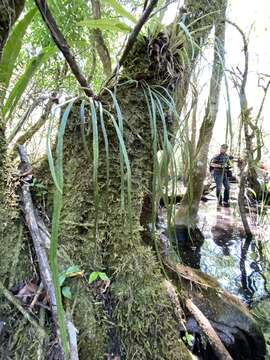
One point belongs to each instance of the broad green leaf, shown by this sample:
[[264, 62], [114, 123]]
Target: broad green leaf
[[120, 10], [66, 292], [103, 276], [93, 277], [24, 80], [12, 49], [105, 24]]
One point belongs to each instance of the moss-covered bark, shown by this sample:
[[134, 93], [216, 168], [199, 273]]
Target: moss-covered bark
[[133, 318], [135, 305]]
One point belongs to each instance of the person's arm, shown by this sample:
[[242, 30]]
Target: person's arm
[[214, 163]]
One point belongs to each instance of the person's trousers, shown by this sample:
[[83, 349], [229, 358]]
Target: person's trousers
[[219, 179]]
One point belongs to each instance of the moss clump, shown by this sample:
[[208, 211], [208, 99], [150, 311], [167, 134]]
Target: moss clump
[[143, 316]]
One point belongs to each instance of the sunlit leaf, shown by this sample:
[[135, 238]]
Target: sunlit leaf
[[24, 80], [93, 277], [105, 24], [12, 48], [120, 10], [103, 276]]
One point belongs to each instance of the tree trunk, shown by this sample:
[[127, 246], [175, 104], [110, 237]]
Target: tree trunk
[[9, 12], [187, 214], [133, 318]]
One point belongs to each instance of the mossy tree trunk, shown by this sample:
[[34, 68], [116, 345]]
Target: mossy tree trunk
[[9, 12], [133, 318], [14, 250]]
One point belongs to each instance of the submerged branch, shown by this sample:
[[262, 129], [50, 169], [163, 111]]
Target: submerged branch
[[241, 201], [209, 331]]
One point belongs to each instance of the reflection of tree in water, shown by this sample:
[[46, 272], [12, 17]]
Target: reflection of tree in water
[[249, 280], [187, 244], [248, 284], [222, 231]]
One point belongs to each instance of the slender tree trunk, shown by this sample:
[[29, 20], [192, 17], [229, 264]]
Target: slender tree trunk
[[187, 214]]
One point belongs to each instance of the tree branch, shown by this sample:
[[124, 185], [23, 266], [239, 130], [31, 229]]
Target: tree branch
[[33, 129], [208, 330], [101, 47], [62, 44], [10, 297], [133, 36]]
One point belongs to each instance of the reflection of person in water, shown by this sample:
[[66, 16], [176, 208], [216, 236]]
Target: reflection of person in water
[[222, 231]]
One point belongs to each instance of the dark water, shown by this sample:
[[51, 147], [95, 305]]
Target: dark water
[[240, 265]]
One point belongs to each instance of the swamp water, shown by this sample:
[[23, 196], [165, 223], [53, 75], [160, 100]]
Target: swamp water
[[241, 266]]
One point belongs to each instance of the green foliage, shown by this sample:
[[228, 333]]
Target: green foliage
[[188, 338], [57, 173], [24, 80], [72, 271], [39, 189], [96, 274], [119, 9], [66, 292], [105, 24], [12, 49]]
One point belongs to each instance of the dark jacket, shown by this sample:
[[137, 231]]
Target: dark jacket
[[221, 159]]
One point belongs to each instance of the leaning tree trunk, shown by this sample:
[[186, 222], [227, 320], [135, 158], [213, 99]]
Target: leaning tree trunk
[[187, 214]]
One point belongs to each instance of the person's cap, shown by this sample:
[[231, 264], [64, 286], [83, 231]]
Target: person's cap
[[224, 146]]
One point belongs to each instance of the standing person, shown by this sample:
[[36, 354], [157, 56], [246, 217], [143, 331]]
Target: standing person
[[221, 165]]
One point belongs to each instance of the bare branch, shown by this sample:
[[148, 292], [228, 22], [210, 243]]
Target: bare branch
[[208, 330], [33, 129], [30, 218], [11, 298], [24, 118], [244, 74], [265, 89], [62, 44]]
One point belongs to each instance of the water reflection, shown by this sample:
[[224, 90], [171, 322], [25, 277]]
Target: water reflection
[[228, 256], [222, 231]]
